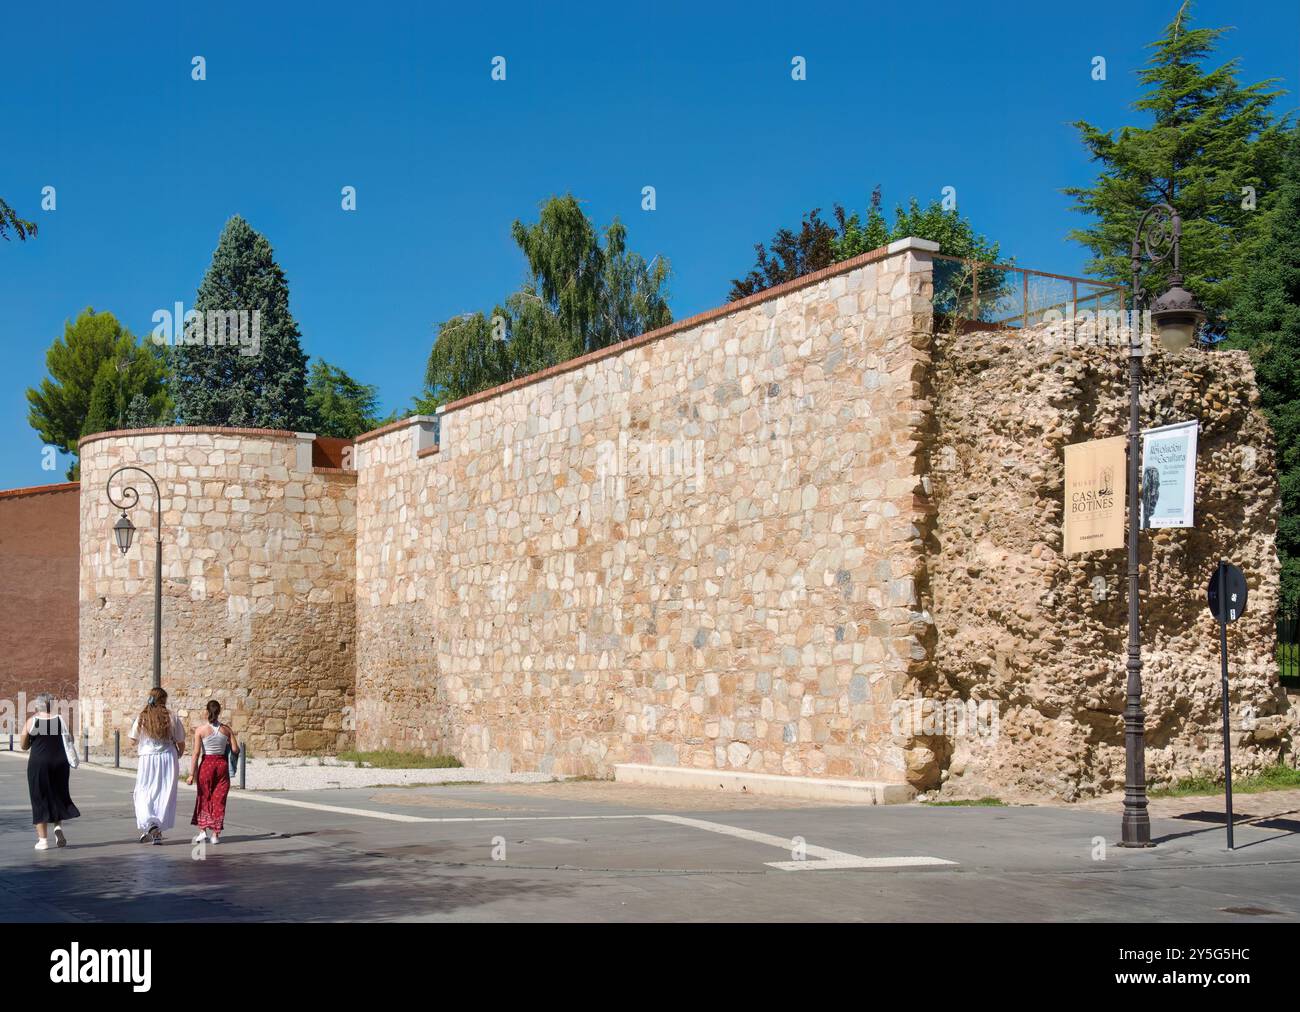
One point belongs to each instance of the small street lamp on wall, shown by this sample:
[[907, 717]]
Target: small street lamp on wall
[[1176, 316], [123, 533]]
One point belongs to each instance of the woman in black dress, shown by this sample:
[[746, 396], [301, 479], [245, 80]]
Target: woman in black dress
[[47, 772]]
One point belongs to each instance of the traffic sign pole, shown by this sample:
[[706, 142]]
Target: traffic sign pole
[[1223, 657]]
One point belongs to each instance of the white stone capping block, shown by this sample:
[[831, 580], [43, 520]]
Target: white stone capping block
[[302, 459], [424, 432], [912, 244], [862, 792]]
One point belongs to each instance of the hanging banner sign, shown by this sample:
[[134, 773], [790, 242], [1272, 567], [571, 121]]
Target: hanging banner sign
[[1169, 475], [1094, 495]]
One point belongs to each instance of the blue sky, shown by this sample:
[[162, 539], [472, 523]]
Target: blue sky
[[600, 100]]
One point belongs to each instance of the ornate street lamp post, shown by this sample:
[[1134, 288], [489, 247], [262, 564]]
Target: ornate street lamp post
[[1175, 315], [123, 532]]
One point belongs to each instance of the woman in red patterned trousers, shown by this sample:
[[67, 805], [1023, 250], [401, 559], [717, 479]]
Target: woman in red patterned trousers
[[210, 770]]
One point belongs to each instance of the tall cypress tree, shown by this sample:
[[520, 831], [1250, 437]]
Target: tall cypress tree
[[1266, 320], [220, 385], [1210, 145]]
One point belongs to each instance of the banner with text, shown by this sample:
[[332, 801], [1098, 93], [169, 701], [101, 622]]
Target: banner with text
[[1094, 495], [1169, 475]]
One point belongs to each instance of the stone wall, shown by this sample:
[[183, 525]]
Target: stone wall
[[259, 567], [1042, 637], [38, 592], [781, 536], [701, 547]]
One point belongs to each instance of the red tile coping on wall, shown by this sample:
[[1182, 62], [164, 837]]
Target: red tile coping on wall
[[775, 292], [216, 430], [64, 486], [428, 451], [384, 430]]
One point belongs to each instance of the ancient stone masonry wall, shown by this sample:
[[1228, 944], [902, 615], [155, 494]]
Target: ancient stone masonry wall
[[803, 534], [259, 567], [1042, 637], [702, 548], [397, 597]]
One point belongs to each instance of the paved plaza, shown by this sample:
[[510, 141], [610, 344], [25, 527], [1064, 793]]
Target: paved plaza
[[596, 850]]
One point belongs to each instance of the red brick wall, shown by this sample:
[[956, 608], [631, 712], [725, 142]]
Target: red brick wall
[[38, 591]]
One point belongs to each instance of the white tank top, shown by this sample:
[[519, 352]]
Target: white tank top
[[216, 742]]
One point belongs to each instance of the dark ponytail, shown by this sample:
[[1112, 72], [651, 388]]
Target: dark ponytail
[[214, 712]]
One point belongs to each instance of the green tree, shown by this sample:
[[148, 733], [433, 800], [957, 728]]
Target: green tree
[[1266, 320], [633, 293], [218, 384], [1211, 143], [142, 414], [580, 295], [465, 358], [819, 244], [96, 371], [338, 404], [10, 222], [791, 255]]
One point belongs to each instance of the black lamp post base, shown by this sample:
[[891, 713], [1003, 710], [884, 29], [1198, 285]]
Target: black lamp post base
[[1135, 830]]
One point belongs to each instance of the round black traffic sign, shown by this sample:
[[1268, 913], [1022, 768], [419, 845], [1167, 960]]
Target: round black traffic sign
[[1234, 582]]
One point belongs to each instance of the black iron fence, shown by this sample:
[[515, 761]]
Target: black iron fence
[[1288, 642]]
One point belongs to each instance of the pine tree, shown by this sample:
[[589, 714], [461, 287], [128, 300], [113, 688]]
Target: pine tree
[[141, 414], [1266, 320], [218, 384], [105, 412], [338, 404], [96, 370], [1210, 145]]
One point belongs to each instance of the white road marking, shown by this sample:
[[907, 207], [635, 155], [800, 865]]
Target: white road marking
[[826, 859], [857, 862]]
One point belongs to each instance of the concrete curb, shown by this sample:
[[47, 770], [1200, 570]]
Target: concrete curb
[[862, 792]]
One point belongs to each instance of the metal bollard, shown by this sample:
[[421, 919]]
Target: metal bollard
[[85, 745], [243, 765], [117, 749]]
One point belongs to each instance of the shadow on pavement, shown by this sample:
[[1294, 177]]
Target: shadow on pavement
[[309, 884]]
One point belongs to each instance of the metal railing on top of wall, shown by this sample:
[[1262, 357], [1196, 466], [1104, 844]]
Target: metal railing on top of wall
[[1004, 295]]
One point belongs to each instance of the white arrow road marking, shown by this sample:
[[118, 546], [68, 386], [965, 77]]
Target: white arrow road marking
[[829, 860]]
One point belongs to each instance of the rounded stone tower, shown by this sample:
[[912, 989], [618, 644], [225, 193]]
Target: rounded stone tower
[[259, 563]]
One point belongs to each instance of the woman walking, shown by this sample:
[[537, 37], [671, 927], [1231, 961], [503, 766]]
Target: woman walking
[[160, 739], [212, 740], [47, 772]]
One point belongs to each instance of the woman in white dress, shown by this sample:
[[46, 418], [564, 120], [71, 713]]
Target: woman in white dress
[[160, 739]]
